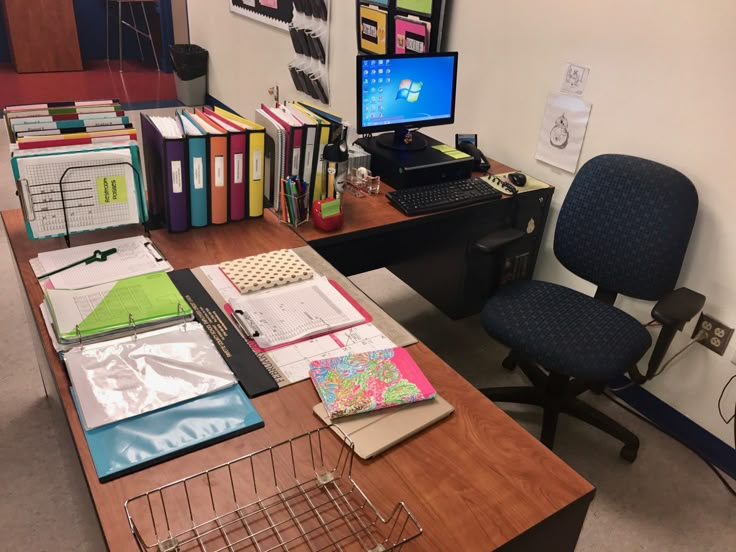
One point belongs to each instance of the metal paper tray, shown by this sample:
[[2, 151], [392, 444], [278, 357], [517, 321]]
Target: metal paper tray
[[297, 495]]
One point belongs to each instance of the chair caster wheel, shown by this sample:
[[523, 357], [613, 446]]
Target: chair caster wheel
[[629, 453], [509, 363]]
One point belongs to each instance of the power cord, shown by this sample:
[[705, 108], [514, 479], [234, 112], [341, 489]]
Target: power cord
[[626, 407], [699, 337], [720, 411]]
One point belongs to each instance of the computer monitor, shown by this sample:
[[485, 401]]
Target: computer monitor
[[401, 92]]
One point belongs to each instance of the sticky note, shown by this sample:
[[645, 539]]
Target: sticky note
[[111, 189], [330, 208]]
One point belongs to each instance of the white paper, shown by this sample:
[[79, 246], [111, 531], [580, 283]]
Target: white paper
[[176, 183], [296, 311], [563, 130], [238, 168], [293, 360], [219, 171], [575, 79], [257, 168], [134, 256], [198, 173], [126, 377]]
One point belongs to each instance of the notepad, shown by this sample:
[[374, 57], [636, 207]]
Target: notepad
[[285, 314], [267, 270], [369, 381], [118, 308]]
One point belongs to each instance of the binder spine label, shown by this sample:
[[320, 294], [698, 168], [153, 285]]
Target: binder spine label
[[296, 157], [219, 171], [238, 168], [257, 168], [198, 173], [176, 183]]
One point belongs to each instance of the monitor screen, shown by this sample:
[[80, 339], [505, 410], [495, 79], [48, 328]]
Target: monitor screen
[[405, 91]]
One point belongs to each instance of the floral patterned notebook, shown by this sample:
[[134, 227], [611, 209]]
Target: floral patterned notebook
[[369, 381]]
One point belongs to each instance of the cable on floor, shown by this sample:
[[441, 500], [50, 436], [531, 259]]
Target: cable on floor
[[626, 407]]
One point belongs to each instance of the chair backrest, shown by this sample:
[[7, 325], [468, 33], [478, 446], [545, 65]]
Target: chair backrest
[[625, 225]]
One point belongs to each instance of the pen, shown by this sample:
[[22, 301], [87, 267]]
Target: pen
[[97, 256]]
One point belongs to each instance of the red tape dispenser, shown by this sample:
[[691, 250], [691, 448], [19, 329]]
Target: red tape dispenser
[[327, 214]]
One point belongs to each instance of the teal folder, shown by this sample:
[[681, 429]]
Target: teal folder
[[135, 443]]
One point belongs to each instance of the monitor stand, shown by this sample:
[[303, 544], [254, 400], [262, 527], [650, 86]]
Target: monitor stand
[[402, 140]]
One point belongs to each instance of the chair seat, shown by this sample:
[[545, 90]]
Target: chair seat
[[565, 331]]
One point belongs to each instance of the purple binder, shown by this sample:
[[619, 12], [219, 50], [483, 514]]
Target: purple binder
[[167, 177]]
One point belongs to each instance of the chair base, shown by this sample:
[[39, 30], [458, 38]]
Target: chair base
[[558, 394]]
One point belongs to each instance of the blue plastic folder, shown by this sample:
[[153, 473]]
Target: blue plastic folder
[[135, 443]]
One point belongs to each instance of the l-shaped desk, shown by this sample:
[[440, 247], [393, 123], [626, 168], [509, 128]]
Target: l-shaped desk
[[475, 481]]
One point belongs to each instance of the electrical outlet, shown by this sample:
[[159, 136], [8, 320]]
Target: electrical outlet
[[717, 335]]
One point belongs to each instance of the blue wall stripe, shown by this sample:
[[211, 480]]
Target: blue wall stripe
[[677, 424]]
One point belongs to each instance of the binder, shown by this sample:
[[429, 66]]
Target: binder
[[312, 131], [197, 165], [237, 163], [166, 171], [136, 443], [255, 137], [326, 128], [294, 163], [275, 151], [119, 308], [218, 167]]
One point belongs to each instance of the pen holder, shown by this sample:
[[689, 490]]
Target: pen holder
[[294, 209]]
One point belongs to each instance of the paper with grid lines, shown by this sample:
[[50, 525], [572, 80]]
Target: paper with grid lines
[[100, 193], [300, 310]]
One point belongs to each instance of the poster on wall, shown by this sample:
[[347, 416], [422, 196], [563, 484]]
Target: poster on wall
[[563, 130], [277, 13]]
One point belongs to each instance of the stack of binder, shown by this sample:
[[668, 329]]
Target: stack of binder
[[203, 167], [297, 134], [76, 166]]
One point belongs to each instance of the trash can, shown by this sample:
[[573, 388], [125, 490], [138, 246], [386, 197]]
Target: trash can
[[190, 72]]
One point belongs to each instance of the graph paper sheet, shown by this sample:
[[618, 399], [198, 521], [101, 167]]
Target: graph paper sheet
[[296, 311], [99, 191]]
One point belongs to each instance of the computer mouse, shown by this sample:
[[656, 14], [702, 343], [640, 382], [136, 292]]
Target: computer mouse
[[517, 179]]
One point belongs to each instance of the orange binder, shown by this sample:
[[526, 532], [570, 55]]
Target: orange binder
[[218, 167]]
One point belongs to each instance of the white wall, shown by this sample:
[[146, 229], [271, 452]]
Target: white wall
[[661, 84]]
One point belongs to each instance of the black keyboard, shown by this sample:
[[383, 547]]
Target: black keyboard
[[446, 195]]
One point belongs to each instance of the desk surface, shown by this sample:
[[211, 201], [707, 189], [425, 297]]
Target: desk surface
[[371, 212], [475, 480]]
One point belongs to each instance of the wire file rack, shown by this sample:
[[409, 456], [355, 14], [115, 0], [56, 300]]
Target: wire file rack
[[297, 495]]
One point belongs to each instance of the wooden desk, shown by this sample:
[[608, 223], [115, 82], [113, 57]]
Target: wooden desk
[[433, 253], [475, 481]]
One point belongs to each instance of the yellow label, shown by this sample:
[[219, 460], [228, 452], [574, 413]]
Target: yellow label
[[111, 189]]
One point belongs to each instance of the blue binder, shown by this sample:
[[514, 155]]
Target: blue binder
[[135, 443], [197, 153]]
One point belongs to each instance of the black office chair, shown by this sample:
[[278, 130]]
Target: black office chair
[[624, 226]]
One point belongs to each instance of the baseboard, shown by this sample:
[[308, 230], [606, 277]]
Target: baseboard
[[151, 104], [678, 425]]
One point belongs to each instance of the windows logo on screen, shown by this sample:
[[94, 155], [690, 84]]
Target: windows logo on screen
[[409, 90]]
